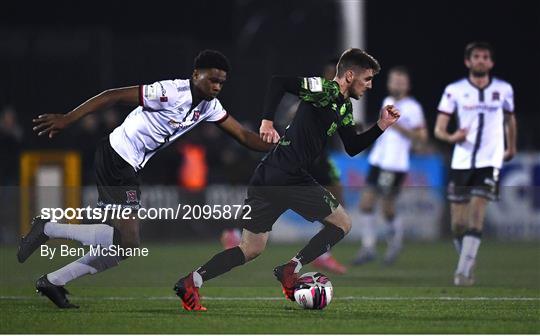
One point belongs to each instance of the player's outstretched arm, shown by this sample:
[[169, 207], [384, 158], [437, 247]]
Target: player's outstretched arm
[[52, 124], [244, 136], [510, 133], [356, 143]]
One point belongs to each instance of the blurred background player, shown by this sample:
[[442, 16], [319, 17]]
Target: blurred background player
[[388, 166], [167, 110], [484, 107], [281, 181], [324, 170]]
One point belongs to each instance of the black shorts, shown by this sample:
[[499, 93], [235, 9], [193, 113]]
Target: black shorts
[[117, 181], [272, 191], [385, 182], [482, 182]]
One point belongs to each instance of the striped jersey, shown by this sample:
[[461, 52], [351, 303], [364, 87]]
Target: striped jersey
[[481, 111], [165, 114]]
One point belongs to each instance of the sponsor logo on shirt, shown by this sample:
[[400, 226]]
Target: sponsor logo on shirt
[[481, 108], [163, 97], [184, 124], [180, 124], [151, 93], [131, 196]]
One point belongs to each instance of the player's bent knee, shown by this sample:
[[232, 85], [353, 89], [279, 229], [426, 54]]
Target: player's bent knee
[[344, 222], [367, 206], [251, 251], [367, 209], [459, 227], [340, 218], [367, 203], [347, 225]]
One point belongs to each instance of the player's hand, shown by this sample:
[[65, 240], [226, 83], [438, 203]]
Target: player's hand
[[50, 124], [459, 136], [267, 132], [389, 115], [509, 153]]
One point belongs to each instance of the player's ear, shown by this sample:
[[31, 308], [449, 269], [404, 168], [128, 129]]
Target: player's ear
[[195, 74], [349, 76]]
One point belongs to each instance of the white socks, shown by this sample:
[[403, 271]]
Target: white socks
[[395, 239], [369, 231], [325, 255], [94, 234], [88, 264], [467, 257], [457, 244], [197, 279], [298, 265]]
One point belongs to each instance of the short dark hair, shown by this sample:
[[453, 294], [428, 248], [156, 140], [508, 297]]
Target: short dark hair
[[355, 57], [400, 69], [469, 48], [208, 59]]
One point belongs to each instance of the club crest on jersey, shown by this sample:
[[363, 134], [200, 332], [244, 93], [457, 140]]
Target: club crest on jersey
[[182, 124], [131, 196], [495, 95]]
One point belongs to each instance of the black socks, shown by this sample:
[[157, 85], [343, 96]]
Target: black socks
[[320, 243], [222, 263]]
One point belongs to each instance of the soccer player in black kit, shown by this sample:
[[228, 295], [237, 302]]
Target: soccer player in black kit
[[281, 181]]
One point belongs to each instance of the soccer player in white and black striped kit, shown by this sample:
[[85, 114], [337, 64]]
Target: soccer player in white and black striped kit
[[167, 110], [388, 167], [484, 107]]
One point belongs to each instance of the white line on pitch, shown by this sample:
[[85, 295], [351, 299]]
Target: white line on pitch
[[275, 298]]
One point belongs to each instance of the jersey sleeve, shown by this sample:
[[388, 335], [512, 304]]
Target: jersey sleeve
[[508, 102], [355, 143], [447, 104], [217, 113], [159, 95]]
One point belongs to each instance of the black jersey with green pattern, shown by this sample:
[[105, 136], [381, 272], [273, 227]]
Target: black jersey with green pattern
[[323, 110], [324, 94]]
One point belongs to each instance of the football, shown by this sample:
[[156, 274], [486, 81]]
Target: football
[[313, 291]]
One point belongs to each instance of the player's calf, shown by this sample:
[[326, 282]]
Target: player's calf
[[252, 244]]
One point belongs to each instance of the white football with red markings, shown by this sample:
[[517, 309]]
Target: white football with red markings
[[313, 291]]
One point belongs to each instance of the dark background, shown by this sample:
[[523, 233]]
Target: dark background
[[55, 55]]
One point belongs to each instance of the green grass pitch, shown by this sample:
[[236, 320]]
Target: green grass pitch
[[413, 296]]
